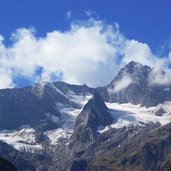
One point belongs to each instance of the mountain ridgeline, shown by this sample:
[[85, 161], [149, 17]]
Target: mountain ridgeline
[[139, 90], [62, 127]]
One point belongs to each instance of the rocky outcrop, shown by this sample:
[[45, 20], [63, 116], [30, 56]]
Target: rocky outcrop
[[31, 105], [94, 114], [149, 151], [132, 85]]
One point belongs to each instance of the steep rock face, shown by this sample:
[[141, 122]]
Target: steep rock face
[[24, 160], [32, 105], [26, 106], [149, 151], [42, 107], [13, 156], [132, 85], [156, 95], [77, 89], [94, 114], [105, 144]]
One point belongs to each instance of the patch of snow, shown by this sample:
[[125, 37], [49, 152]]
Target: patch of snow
[[68, 119], [167, 89], [22, 139], [79, 98], [53, 118], [68, 116], [56, 134], [56, 89], [128, 114], [26, 147], [38, 89], [60, 105], [70, 111]]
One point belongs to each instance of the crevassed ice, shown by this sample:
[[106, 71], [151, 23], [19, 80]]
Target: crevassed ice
[[128, 114], [22, 139]]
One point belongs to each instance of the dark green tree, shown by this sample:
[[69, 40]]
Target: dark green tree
[[169, 168]]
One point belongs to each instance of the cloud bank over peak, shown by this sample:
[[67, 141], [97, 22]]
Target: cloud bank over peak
[[89, 52]]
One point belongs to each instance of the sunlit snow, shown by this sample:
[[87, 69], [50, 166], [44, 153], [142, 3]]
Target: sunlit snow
[[68, 117], [22, 139], [128, 114]]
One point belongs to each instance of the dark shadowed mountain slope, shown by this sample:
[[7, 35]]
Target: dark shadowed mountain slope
[[65, 88], [94, 114], [150, 151], [32, 105], [23, 160], [27, 106], [6, 165]]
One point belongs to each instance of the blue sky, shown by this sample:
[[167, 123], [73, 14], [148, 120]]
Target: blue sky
[[147, 21]]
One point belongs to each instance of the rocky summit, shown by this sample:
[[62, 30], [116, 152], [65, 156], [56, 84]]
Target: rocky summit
[[124, 126]]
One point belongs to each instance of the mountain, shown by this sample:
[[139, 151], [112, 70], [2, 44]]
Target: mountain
[[58, 126], [94, 115], [132, 85], [148, 152], [36, 117], [36, 105]]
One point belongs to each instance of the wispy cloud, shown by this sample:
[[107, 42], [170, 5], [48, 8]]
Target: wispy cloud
[[68, 14], [160, 74], [134, 50], [123, 83]]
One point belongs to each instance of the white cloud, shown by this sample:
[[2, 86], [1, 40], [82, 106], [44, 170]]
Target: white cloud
[[5, 79], [123, 83], [159, 77], [84, 54], [138, 52], [160, 74], [87, 53], [90, 13]]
